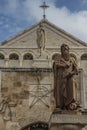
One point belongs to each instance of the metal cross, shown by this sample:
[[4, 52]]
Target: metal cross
[[44, 7]]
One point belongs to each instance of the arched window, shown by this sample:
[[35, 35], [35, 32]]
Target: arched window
[[28, 56], [84, 57], [55, 56], [1, 56], [13, 56], [74, 56], [36, 126]]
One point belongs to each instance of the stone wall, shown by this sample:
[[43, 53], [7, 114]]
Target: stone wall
[[26, 86], [26, 97]]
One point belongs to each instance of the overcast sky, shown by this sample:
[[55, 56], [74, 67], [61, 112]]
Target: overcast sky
[[17, 15]]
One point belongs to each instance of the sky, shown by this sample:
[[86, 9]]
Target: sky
[[18, 15]]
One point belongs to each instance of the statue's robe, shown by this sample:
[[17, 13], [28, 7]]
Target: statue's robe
[[64, 85], [41, 38]]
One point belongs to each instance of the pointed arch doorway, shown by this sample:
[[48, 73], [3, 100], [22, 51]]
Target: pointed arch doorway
[[36, 126]]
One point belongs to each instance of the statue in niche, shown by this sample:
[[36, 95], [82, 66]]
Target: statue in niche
[[41, 37], [65, 84]]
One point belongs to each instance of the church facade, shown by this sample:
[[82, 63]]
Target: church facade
[[27, 82]]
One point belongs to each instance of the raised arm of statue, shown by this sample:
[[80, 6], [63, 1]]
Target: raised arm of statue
[[61, 63]]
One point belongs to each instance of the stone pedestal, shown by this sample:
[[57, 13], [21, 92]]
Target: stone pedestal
[[68, 122], [66, 127]]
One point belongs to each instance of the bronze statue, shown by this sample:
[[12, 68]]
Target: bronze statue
[[65, 85]]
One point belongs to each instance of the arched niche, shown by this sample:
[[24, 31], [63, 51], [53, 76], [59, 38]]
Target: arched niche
[[55, 56], [2, 57], [36, 126], [28, 56], [84, 56], [13, 56]]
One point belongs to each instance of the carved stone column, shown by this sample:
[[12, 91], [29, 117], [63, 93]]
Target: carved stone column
[[20, 61], [6, 62]]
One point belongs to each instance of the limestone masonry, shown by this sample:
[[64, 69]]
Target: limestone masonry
[[27, 82]]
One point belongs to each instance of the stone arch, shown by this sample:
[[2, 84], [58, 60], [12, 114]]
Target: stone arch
[[27, 56], [13, 51], [36, 126], [13, 56], [28, 52], [2, 57], [3, 53], [55, 56], [84, 56]]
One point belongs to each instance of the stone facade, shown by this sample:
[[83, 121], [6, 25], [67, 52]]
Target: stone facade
[[26, 80]]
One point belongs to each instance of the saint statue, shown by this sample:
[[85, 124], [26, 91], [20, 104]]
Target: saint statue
[[41, 37], [65, 84]]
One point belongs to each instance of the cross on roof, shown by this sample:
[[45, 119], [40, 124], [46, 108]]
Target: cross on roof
[[44, 7]]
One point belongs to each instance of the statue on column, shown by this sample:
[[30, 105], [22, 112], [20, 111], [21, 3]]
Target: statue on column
[[65, 84], [41, 37]]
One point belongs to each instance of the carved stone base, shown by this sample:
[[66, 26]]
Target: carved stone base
[[59, 111], [68, 121], [69, 112], [66, 127]]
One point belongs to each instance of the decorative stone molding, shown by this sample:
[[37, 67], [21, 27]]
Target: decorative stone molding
[[69, 119]]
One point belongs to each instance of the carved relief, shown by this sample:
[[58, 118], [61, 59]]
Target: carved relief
[[6, 107], [39, 94], [32, 97]]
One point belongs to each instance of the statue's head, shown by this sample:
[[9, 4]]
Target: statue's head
[[65, 51]]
